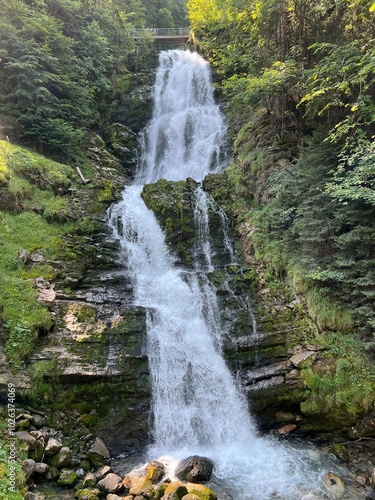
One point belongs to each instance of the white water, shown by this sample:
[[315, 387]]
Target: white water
[[197, 406]]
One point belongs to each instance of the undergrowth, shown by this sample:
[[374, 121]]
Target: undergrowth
[[37, 190]]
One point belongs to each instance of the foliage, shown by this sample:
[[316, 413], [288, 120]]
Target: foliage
[[298, 78], [32, 182], [348, 387], [165, 13], [59, 64]]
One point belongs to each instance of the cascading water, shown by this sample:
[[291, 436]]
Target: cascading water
[[197, 406]]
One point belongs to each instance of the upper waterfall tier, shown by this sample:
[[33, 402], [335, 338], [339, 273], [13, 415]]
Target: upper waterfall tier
[[186, 135]]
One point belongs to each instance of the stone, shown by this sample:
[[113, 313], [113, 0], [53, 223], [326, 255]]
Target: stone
[[191, 496], [80, 473], [361, 479], [285, 429], [28, 466], [52, 474], [89, 481], [142, 486], [334, 485], [154, 474], [41, 468], [37, 420], [315, 347], [175, 491], [102, 472], [25, 437], [53, 447], [88, 494], [47, 297], [33, 496], [299, 359], [98, 454], [203, 492], [37, 451], [62, 459], [111, 483], [40, 435], [67, 477], [37, 256], [112, 496], [194, 469], [23, 423], [24, 255]]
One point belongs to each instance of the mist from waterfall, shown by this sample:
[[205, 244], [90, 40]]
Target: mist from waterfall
[[197, 405]]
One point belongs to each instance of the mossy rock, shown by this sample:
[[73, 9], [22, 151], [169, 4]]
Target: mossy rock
[[203, 492], [68, 477], [217, 186], [88, 494], [173, 202], [177, 488]]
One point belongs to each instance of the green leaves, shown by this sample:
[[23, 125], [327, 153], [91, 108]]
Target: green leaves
[[339, 88], [354, 179]]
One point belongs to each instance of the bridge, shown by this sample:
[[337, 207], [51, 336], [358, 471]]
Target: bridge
[[166, 36]]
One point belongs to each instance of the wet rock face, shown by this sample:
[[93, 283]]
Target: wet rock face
[[172, 203], [91, 365]]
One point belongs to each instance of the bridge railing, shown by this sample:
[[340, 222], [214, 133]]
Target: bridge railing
[[160, 32]]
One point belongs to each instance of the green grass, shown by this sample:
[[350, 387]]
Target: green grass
[[38, 186], [347, 389]]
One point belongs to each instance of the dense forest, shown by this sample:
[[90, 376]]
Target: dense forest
[[63, 64], [298, 80]]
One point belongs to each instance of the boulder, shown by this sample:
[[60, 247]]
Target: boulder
[[111, 483], [37, 451], [175, 491], [102, 472], [285, 429], [88, 494], [334, 485], [203, 492], [98, 454], [52, 474], [195, 469], [53, 447], [154, 473], [67, 477], [89, 481], [41, 468], [190, 496], [142, 486], [37, 420], [25, 437], [62, 459], [28, 466]]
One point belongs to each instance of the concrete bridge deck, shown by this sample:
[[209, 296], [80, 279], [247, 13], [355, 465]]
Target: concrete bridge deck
[[163, 35]]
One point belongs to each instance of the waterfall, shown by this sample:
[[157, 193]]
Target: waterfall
[[185, 137], [197, 406]]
